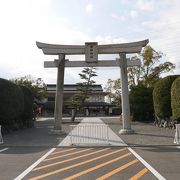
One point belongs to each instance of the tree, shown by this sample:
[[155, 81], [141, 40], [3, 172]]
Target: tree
[[11, 105], [149, 73], [109, 89], [117, 92], [162, 97], [84, 88], [113, 90], [37, 86], [134, 73], [175, 99], [27, 115], [141, 103]]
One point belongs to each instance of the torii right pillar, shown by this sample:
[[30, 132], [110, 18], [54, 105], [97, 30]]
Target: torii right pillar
[[125, 96]]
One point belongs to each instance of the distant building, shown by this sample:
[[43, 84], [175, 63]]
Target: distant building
[[94, 105]]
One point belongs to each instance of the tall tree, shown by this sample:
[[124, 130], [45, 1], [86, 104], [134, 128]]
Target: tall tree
[[84, 88], [113, 90], [37, 86], [151, 68], [109, 89]]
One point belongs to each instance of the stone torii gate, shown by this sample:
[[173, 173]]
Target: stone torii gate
[[91, 51]]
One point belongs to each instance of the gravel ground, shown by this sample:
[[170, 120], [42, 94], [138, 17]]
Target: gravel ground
[[145, 133]]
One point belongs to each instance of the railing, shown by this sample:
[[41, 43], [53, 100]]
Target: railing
[[177, 134], [165, 122], [1, 138], [89, 134]]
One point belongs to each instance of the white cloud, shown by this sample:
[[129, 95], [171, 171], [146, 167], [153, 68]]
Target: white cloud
[[89, 8], [23, 23], [145, 5], [133, 14], [115, 16], [31, 21], [164, 33], [110, 40]]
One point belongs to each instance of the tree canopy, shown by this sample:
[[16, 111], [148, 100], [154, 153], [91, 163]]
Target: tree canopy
[[84, 88], [151, 69], [113, 90], [37, 86], [141, 82]]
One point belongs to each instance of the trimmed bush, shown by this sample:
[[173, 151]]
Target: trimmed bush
[[162, 97], [11, 105], [175, 99], [27, 115], [141, 103]]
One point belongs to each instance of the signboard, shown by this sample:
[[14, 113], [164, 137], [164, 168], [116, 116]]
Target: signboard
[[91, 52]]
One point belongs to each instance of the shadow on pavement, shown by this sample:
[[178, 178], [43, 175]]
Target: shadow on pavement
[[162, 149], [155, 135], [33, 140]]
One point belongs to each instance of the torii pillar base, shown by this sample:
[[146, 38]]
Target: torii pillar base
[[126, 131]]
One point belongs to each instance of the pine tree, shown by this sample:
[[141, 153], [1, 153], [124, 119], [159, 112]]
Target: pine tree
[[84, 89]]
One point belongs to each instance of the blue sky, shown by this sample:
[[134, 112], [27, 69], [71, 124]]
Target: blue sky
[[77, 21]]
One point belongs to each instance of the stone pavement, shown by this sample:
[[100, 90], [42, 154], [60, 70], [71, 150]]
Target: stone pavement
[[92, 132]]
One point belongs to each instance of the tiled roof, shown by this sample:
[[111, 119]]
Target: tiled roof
[[73, 87]]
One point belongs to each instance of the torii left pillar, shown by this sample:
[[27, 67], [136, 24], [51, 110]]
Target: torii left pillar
[[59, 97], [125, 96]]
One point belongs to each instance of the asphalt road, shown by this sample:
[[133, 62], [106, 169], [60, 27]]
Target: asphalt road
[[90, 163], [28, 146], [14, 161]]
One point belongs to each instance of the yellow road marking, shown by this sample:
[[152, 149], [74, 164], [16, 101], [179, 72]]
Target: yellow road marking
[[139, 174], [77, 152], [96, 167], [57, 152], [67, 160], [117, 170], [72, 166]]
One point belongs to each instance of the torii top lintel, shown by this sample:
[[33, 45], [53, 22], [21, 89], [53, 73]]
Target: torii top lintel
[[54, 49]]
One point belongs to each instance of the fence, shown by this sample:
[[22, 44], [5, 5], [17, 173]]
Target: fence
[[177, 134], [89, 134], [1, 139]]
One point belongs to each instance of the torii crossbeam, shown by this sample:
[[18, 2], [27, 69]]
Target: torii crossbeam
[[91, 51]]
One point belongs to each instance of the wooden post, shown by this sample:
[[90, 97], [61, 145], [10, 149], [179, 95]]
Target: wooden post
[[125, 96], [59, 97]]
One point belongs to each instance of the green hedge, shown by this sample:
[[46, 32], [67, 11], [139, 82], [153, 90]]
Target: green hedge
[[175, 99], [11, 105], [27, 115], [162, 97], [141, 103]]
